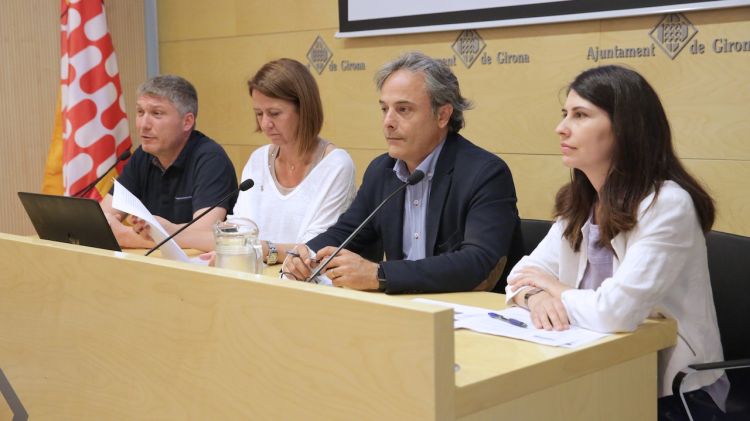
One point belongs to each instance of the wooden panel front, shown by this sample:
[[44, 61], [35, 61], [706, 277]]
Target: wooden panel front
[[90, 334]]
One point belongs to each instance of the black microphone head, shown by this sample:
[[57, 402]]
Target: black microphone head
[[245, 185], [123, 156], [415, 177]]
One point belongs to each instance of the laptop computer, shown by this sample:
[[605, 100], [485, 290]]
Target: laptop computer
[[69, 220]]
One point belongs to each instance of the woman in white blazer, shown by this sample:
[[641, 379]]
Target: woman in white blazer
[[628, 242]]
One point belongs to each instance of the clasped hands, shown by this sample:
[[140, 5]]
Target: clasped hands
[[130, 231], [140, 227], [347, 269], [546, 308]]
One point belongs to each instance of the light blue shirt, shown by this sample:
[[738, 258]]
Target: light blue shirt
[[415, 204]]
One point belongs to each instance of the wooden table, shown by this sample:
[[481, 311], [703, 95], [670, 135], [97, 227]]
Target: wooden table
[[95, 334]]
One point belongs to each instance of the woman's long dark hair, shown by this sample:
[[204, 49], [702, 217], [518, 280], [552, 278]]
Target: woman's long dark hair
[[643, 158]]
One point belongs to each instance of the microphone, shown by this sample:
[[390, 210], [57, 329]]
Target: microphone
[[245, 185], [123, 156], [413, 179]]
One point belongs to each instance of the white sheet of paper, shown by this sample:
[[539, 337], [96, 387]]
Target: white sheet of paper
[[324, 280], [124, 201], [478, 320]]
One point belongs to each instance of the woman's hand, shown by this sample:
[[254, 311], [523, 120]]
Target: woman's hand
[[547, 309], [548, 312], [537, 278], [298, 264]]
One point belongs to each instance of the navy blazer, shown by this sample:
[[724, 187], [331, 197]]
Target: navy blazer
[[470, 225]]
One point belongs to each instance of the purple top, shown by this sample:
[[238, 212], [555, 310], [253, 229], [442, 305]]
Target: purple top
[[599, 264]]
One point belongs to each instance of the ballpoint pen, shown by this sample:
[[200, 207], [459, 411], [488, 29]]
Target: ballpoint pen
[[514, 322], [295, 254]]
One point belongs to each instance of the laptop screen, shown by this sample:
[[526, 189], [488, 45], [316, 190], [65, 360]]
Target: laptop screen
[[69, 220]]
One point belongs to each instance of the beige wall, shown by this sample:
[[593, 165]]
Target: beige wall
[[218, 46], [30, 54]]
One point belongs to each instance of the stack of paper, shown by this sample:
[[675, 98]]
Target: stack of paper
[[479, 320], [124, 201]]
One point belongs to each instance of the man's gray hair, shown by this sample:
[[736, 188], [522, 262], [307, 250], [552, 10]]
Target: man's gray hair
[[177, 90], [441, 83]]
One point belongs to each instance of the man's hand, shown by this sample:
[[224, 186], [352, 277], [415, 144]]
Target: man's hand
[[140, 227], [125, 234], [169, 227], [298, 264], [197, 236], [350, 270]]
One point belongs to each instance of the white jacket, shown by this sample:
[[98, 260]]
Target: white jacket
[[660, 268]]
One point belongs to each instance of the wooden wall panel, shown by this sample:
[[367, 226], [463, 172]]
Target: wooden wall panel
[[705, 96], [188, 20], [517, 106], [728, 182], [537, 179], [29, 50], [239, 155], [30, 53]]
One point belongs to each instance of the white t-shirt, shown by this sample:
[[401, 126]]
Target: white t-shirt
[[313, 206]]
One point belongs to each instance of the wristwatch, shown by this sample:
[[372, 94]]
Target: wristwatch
[[528, 295], [273, 254], [382, 282]]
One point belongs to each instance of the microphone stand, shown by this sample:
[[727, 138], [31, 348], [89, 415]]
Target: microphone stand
[[414, 178], [245, 185], [123, 156]]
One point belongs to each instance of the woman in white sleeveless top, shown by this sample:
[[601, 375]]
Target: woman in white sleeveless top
[[302, 182]]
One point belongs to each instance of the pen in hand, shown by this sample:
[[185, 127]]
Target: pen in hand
[[514, 322], [295, 254]]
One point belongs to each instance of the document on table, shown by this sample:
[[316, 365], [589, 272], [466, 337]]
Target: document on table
[[124, 201], [479, 320]]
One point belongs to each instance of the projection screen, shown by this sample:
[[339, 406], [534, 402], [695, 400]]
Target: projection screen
[[361, 18]]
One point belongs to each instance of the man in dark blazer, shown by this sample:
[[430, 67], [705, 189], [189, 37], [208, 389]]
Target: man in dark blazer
[[453, 231]]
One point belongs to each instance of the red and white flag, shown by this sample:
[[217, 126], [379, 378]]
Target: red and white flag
[[94, 126]]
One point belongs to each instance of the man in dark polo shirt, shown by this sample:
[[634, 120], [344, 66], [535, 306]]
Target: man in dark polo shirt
[[177, 172]]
